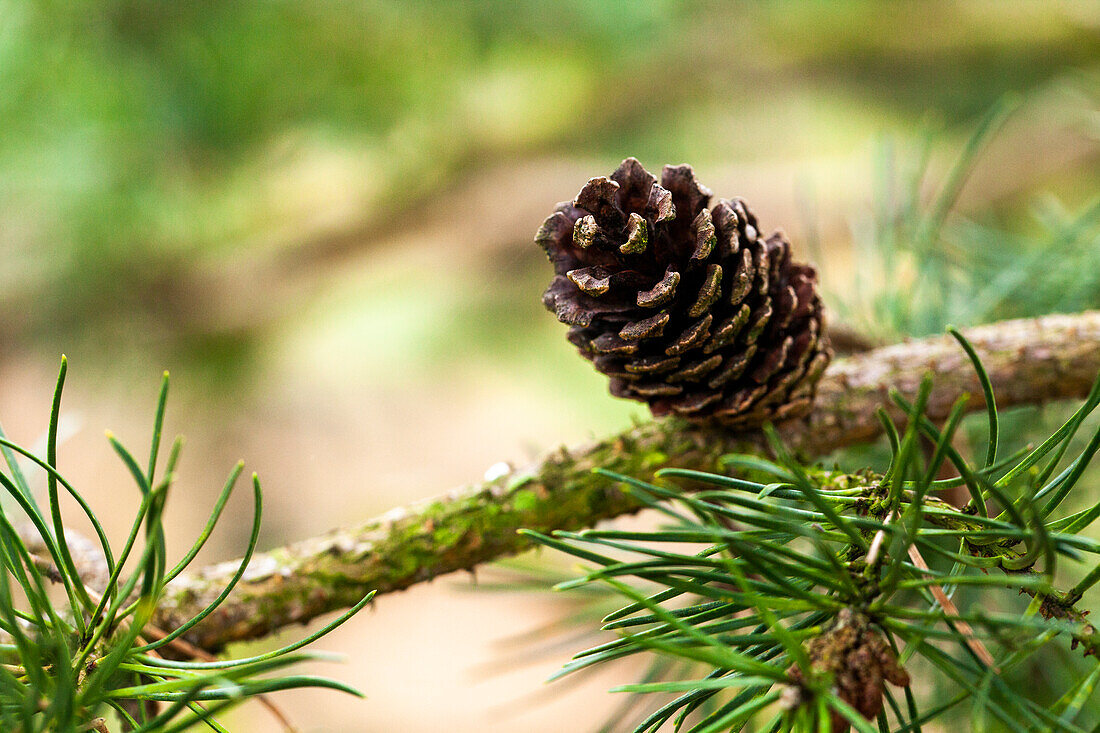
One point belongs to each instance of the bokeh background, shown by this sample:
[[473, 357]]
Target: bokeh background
[[319, 217]]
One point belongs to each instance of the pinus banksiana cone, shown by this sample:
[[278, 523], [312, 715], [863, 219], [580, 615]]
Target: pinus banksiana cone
[[686, 308]]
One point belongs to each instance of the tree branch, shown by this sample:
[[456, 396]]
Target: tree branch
[[1030, 361]]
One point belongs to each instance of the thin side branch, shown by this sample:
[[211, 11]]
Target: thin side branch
[[1030, 361]]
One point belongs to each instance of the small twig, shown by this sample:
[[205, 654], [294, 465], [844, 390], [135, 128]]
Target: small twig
[[952, 612], [152, 633], [878, 540], [99, 725]]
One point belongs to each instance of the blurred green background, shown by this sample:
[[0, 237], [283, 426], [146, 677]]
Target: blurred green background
[[319, 217]]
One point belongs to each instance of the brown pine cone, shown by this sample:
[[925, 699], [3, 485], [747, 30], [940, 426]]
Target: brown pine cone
[[860, 662], [686, 308]]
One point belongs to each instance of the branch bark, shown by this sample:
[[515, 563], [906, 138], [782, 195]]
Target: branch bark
[[1031, 361]]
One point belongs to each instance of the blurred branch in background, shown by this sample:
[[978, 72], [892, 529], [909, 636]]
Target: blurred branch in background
[[162, 164], [1029, 362]]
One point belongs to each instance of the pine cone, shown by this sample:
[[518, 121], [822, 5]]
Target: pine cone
[[860, 662], [686, 308]]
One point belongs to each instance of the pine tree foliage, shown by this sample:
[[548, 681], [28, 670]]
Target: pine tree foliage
[[89, 658], [812, 597]]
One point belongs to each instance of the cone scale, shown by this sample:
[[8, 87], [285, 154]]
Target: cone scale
[[685, 307]]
